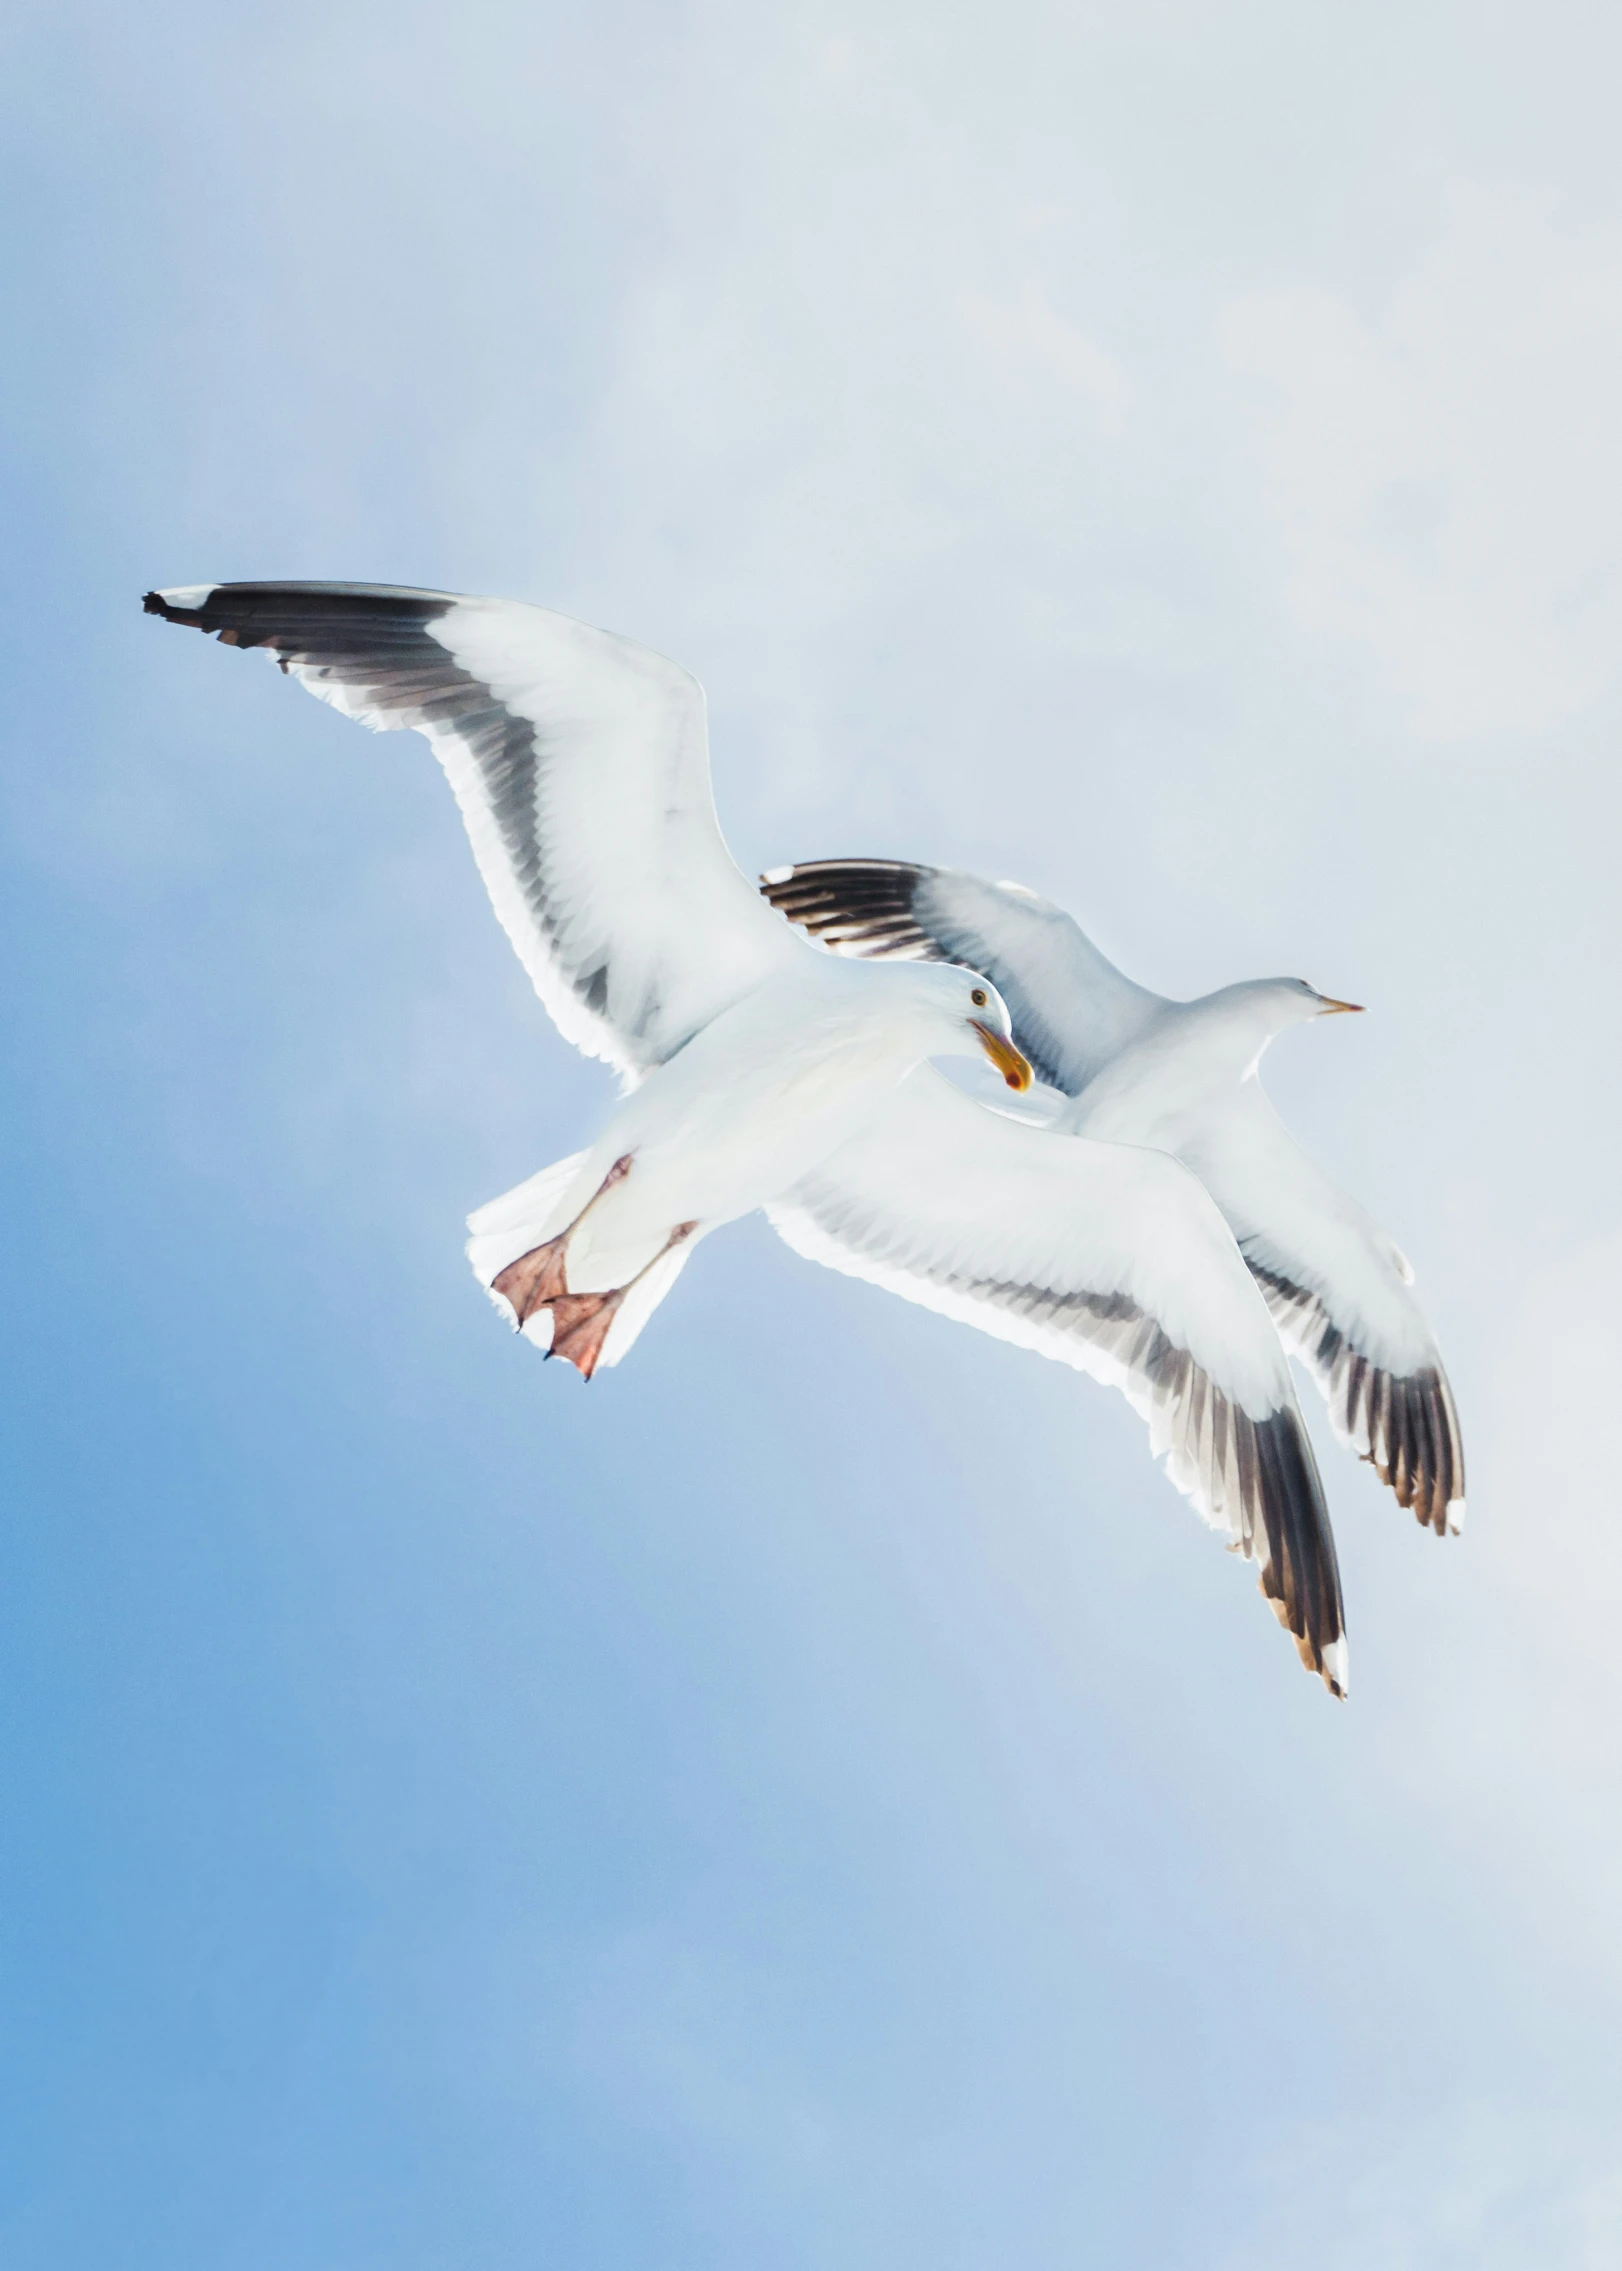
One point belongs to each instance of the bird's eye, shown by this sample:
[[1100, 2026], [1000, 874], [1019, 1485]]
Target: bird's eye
[[978, 997]]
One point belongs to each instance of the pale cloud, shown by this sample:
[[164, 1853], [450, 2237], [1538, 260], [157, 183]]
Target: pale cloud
[[1481, 2187], [1558, 1493], [1032, 344], [1526, 1731], [1447, 471]]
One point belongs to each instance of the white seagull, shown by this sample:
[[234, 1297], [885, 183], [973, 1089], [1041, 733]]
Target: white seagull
[[760, 1072], [1183, 1078]]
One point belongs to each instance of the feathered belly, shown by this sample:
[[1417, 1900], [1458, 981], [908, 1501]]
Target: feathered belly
[[705, 1153]]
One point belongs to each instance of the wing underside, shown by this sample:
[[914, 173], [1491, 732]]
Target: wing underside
[[1066, 1000], [1405, 1424], [1334, 1283], [581, 765], [1110, 1260]]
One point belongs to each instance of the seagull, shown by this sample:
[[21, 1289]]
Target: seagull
[[759, 1072], [1131, 1067]]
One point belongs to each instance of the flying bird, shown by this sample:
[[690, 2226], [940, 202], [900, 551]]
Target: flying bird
[[1182, 1077], [760, 1072]]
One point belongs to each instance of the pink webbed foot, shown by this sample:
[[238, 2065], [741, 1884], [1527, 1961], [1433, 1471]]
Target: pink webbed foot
[[580, 1323], [540, 1277], [534, 1279]]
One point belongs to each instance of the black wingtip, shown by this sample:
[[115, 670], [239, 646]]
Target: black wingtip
[[861, 907], [154, 603], [1301, 1578], [1404, 1425], [318, 622]]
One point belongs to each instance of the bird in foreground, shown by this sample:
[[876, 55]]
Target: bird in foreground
[[754, 1064], [1135, 1068]]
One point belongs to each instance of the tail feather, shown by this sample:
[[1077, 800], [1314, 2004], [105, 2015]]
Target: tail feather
[[509, 1226], [640, 1303]]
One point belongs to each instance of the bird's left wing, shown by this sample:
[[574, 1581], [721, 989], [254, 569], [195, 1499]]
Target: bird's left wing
[[1342, 1295], [581, 765], [1113, 1260]]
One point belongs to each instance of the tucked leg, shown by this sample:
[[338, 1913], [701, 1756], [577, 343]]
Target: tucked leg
[[539, 1277], [580, 1321]]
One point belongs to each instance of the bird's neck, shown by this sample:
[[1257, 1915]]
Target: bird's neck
[[1230, 1031]]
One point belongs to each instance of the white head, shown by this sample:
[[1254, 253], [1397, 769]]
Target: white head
[[961, 1015], [1291, 1001], [1250, 1015]]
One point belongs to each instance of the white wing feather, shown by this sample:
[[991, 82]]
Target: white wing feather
[[1342, 1295], [1339, 1290], [1071, 1008], [580, 762], [1110, 1259]]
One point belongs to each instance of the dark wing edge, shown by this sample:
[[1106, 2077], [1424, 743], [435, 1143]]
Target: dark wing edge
[[869, 909], [857, 907], [368, 651], [1405, 1425], [1256, 1479], [353, 621]]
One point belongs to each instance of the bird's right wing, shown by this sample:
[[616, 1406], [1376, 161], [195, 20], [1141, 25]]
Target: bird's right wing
[[1062, 993], [581, 764], [1115, 1261]]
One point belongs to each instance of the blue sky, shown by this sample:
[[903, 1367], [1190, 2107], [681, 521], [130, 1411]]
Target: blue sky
[[815, 1798]]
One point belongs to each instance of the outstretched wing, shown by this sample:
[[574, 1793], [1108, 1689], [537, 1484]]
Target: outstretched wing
[[1071, 1008], [1342, 1295], [1113, 1260], [581, 764]]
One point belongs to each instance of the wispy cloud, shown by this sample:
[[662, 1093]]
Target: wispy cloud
[[1445, 467], [1485, 2187]]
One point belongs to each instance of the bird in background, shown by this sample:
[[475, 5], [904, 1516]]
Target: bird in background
[[1131, 1067], [760, 1072]]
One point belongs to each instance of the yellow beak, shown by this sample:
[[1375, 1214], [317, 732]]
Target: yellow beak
[[1004, 1056], [1327, 1006]]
